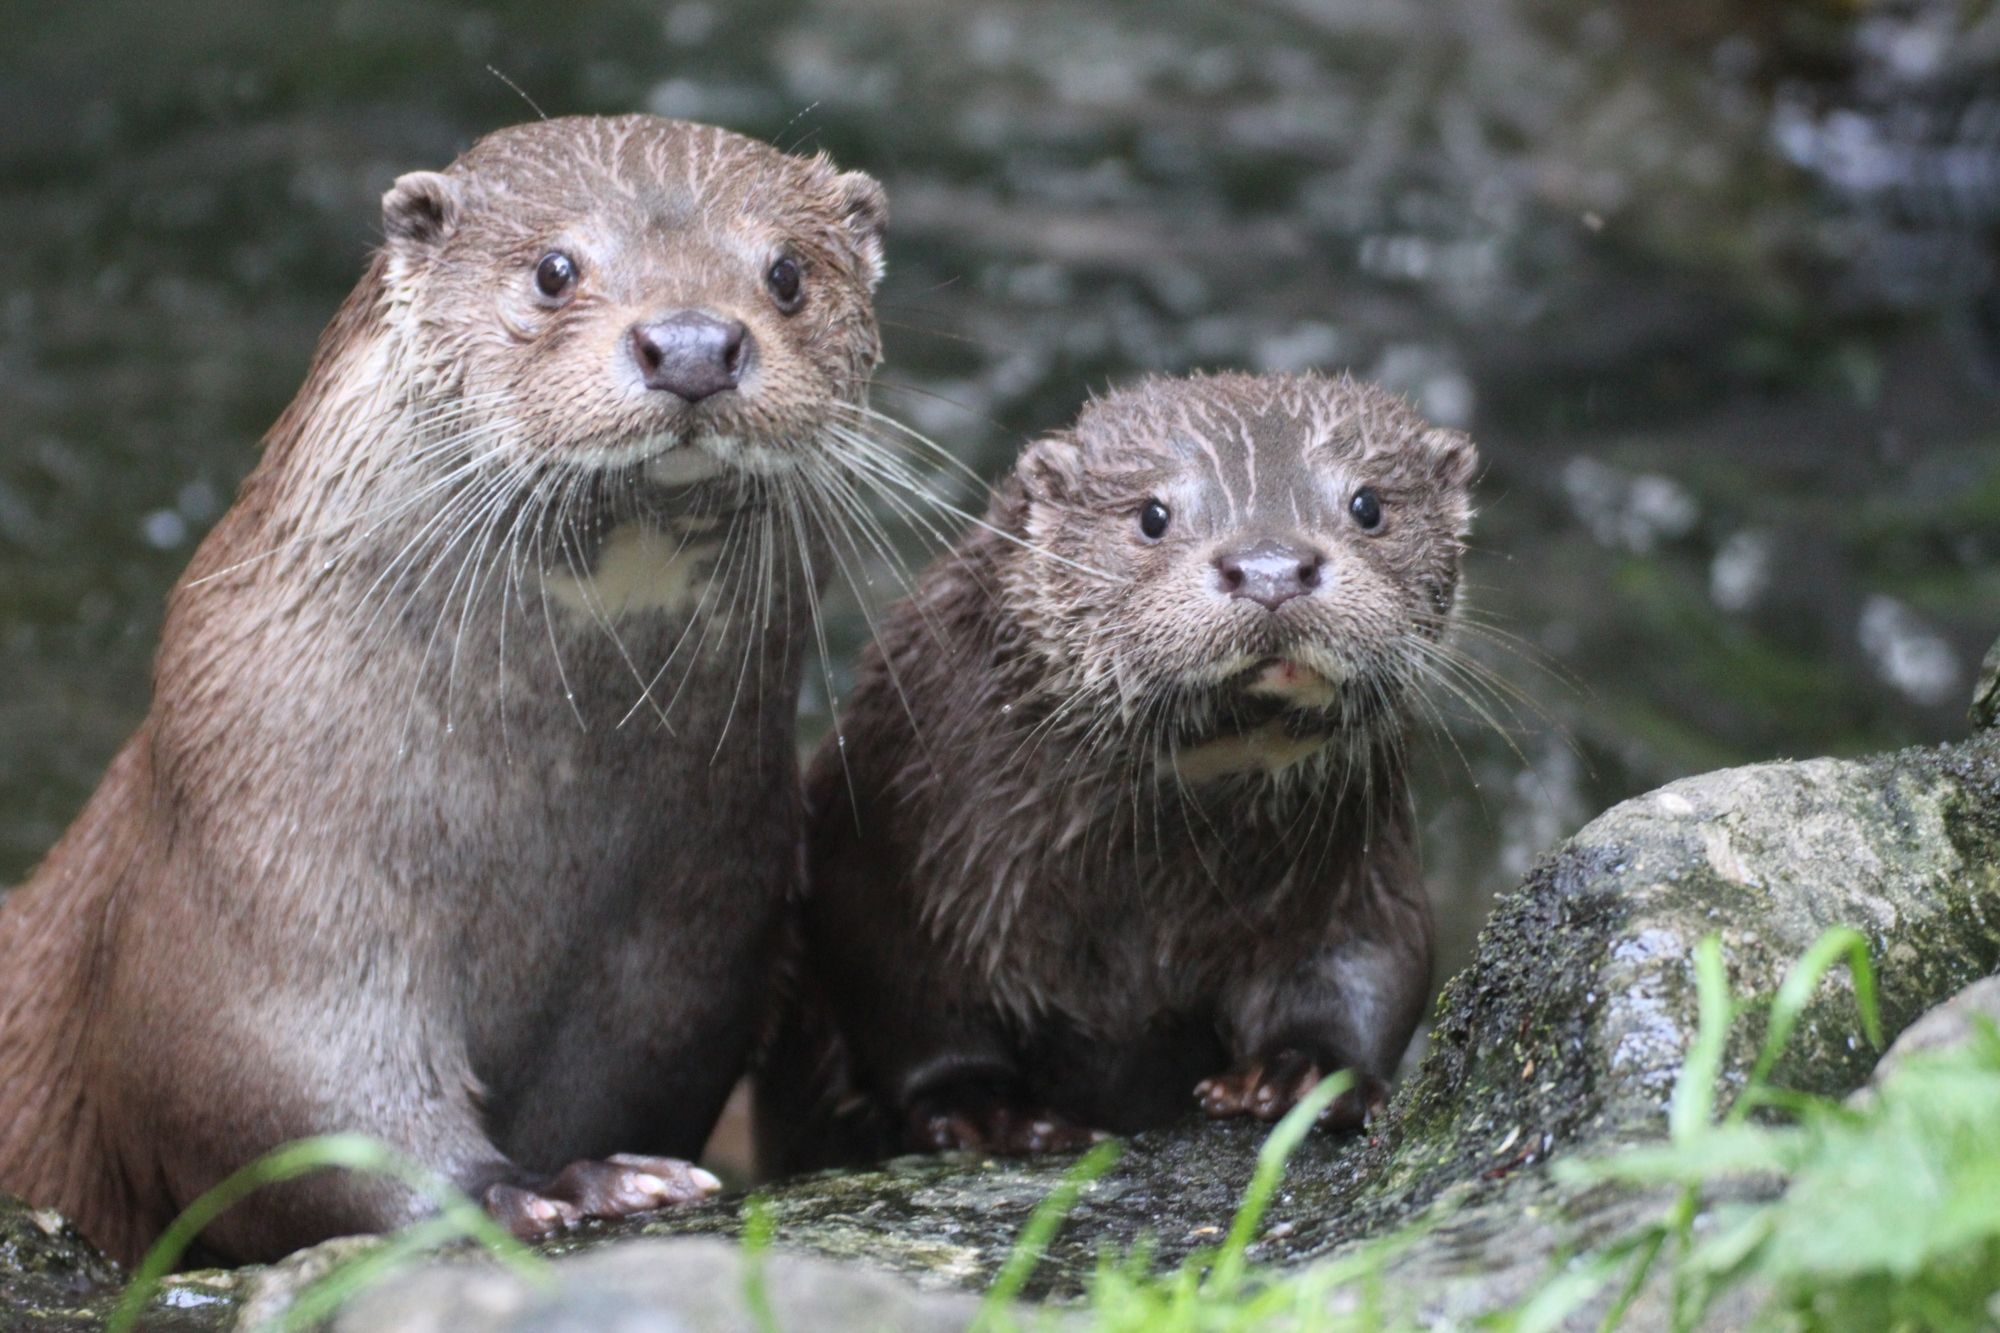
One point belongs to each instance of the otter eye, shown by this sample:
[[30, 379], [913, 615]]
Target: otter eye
[[1366, 506], [783, 280], [1153, 520], [555, 275]]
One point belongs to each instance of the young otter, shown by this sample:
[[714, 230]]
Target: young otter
[[467, 803], [1117, 820]]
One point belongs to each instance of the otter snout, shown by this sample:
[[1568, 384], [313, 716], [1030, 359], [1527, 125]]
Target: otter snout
[[692, 353], [1268, 572]]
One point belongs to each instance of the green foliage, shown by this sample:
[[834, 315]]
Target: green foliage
[[1890, 1214], [1884, 1213], [760, 1224]]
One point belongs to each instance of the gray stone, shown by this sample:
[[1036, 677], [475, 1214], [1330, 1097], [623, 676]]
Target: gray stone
[[655, 1286], [1562, 1039], [270, 1291], [52, 1280], [1986, 694], [1950, 1024]]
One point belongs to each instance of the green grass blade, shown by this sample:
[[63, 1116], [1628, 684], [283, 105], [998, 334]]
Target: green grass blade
[[760, 1224], [353, 1152], [1282, 1142], [1558, 1300], [1798, 987], [329, 1293], [1694, 1089], [1034, 1240]]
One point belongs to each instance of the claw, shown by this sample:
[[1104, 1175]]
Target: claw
[[981, 1121], [1268, 1089], [619, 1186]]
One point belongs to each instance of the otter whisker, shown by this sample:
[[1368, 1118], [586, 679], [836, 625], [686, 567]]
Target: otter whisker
[[649, 683], [496, 552], [1430, 672], [707, 614], [883, 470], [836, 544], [476, 535], [473, 506], [905, 431], [864, 458], [358, 527], [728, 570], [790, 501]]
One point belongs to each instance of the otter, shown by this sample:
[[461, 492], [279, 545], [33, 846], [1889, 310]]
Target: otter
[[1116, 823], [466, 810]]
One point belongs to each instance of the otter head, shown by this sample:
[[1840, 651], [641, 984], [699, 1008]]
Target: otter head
[[1233, 554], [605, 293]]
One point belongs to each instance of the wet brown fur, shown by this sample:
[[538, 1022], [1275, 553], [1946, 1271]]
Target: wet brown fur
[[1017, 900], [407, 844]]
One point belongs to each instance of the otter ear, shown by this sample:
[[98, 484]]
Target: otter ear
[[421, 208], [1450, 455], [1049, 468], [864, 210]]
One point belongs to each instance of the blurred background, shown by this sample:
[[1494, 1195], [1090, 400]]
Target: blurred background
[[1716, 284]]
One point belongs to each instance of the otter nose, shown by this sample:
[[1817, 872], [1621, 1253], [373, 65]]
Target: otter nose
[[691, 353], [1268, 572]]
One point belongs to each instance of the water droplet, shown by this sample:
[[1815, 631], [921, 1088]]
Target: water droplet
[[1006, 708]]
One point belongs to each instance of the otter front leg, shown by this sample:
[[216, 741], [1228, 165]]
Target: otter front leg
[[281, 1218], [1351, 1006], [948, 1071], [927, 1043], [969, 1095], [420, 1103]]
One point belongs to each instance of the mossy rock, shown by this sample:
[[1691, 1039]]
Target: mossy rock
[[1563, 1038], [1986, 696]]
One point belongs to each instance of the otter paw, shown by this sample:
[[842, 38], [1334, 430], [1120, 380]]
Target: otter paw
[[1267, 1089], [994, 1125], [620, 1185]]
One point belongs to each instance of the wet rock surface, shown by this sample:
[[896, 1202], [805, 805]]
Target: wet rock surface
[[53, 1281], [48, 1272], [656, 1286], [1563, 1038], [1986, 697]]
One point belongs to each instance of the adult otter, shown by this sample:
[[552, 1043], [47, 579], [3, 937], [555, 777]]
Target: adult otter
[[1117, 822], [467, 802]]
